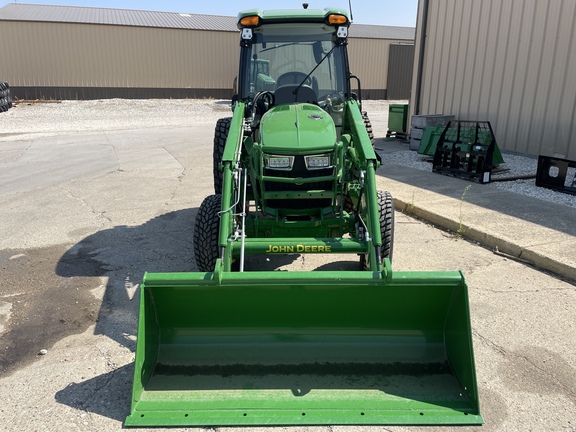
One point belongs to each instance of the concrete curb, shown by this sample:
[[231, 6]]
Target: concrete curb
[[488, 240]]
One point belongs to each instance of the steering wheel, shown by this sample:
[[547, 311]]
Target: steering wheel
[[263, 101], [333, 102], [293, 78]]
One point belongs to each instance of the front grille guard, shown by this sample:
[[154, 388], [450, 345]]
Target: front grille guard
[[299, 191]]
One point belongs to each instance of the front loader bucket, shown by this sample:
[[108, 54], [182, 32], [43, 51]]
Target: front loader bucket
[[277, 348]]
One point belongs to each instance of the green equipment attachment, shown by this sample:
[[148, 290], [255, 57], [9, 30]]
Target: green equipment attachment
[[278, 348], [295, 173]]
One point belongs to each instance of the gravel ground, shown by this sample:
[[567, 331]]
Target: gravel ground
[[33, 120], [514, 165]]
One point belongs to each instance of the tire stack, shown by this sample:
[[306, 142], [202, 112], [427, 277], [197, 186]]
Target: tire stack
[[5, 97]]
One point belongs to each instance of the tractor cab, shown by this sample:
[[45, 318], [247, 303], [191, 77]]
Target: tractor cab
[[298, 57]]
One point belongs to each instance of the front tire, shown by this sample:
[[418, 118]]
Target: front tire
[[386, 216], [206, 230]]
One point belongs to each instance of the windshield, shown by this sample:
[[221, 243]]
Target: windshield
[[284, 55]]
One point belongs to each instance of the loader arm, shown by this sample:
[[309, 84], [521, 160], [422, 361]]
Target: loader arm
[[231, 170], [364, 160]]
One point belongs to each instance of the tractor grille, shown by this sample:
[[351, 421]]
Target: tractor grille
[[298, 170]]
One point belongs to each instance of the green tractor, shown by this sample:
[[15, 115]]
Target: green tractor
[[292, 150], [295, 173]]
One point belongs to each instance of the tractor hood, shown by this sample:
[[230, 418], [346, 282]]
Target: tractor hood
[[297, 129]]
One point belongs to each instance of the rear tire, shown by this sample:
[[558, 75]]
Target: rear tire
[[220, 136], [206, 231], [386, 213]]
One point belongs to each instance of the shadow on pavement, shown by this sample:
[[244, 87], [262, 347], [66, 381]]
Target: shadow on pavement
[[123, 254], [108, 395]]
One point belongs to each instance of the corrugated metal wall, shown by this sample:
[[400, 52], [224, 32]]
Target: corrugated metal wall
[[512, 62], [400, 68], [87, 61], [369, 61], [39, 54]]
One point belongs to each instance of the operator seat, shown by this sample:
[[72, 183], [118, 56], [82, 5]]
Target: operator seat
[[284, 94]]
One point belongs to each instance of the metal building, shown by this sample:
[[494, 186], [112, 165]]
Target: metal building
[[88, 53], [512, 62]]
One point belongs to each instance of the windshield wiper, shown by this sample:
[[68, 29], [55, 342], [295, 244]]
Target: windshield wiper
[[295, 92]]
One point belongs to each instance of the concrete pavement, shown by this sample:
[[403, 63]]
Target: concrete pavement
[[82, 233]]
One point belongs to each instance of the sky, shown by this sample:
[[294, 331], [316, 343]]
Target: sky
[[376, 12]]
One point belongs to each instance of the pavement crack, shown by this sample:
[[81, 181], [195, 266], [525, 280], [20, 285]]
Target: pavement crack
[[176, 159], [567, 388], [499, 349], [24, 151], [98, 214], [537, 290], [180, 177], [115, 152]]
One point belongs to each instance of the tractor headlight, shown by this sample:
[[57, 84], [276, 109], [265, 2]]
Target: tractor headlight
[[279, 162], [317, 161]]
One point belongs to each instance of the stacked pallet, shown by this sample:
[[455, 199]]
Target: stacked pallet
[[419, 122]]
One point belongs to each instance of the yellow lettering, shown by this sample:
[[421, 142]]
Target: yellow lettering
[[299, 248], [283, 249]]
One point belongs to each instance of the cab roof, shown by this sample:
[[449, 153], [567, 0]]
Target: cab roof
[[280, 16]]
